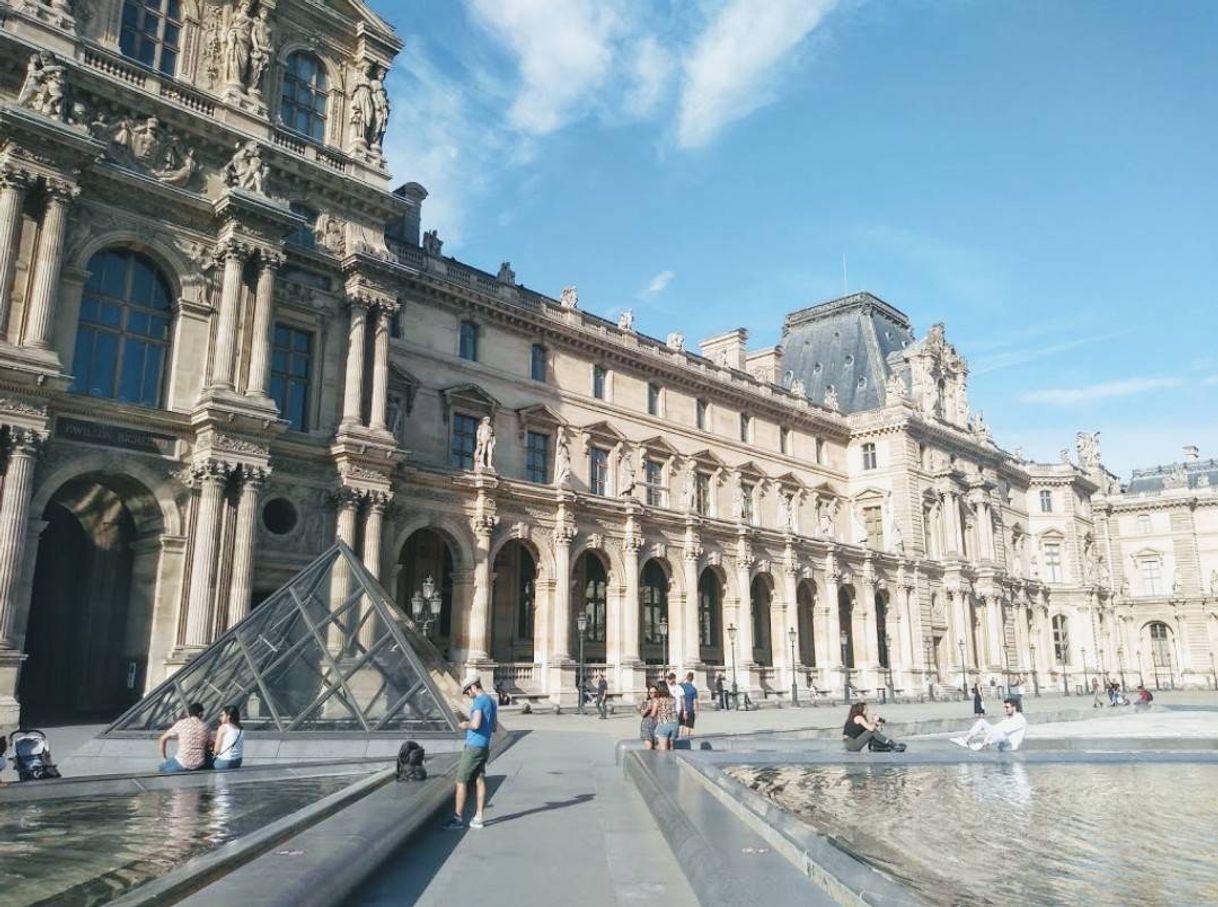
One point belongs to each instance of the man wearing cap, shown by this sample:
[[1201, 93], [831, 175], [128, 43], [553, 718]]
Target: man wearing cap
[[483, 718]]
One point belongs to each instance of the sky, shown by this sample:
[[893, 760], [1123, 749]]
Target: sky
[[1038, 176]]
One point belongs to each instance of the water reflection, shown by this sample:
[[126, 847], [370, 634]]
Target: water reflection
[[89, 850], [1010, 833]]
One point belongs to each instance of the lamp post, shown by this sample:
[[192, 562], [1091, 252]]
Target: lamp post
[[791, 634], [963, 670], [1121, 665], [1086, 677], [892, 693], [1141, 677], [664, 640], [845, 638], [1061, 655], [932, 658], [425, 606], [731, 635], [581, 624], [1213, 672], [1035, 679]]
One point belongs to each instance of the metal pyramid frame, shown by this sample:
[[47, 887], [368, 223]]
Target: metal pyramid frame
[[328, 651]]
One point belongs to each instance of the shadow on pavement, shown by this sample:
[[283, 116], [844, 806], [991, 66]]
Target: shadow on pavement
[[551, 804]]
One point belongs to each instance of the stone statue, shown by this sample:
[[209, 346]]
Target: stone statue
[[825, 523], [689, 490], [45, 86], [181, 174], [395, 416], [569, 298], [369, 107], [432, 244], [629, 475], [894, 389], [562, 459], [675, 341], [831, 402], [238, 46], [484, 446], [1214, 582], [329, 233], [785, 512], [1066, 456], [798, 388], [247, 170], [980, 427], [737, 498], [1087, 443], [260, 49], [146, 140], [625, 321], [506, 274]]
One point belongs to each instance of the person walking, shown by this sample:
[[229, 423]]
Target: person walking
[[666, 718], [602, 696], [193, 737], [647, 726], [721, 693], [978, 704], [482, 722], [689, 705]]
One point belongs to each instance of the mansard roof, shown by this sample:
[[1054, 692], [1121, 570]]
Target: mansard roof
[[844, 343], [1171, 476]]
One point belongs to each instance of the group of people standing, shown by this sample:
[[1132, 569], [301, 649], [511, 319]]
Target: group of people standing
[[669, 711], [198, 747]]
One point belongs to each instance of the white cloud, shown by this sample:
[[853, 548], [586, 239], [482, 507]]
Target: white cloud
[[649, 74], [657, 284], [734, 62], [1210, 380], [1024, 355], [563, 50], [1069, 396]]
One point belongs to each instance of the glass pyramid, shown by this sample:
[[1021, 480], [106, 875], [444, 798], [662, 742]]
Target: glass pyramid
[[329, 651]]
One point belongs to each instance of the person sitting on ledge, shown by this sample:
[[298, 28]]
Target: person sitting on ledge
[[1006, 735], [1145, 698], [230, 740], [193, 737], [861, 731]]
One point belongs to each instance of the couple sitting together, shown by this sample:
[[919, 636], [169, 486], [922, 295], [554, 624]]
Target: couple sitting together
[[1006, 735], [198, 748]]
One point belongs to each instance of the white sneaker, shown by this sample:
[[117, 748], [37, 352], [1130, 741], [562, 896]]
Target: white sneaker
[[960, 741], [977, 745], [476, 822]]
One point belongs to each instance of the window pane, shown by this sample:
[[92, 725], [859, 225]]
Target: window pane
[[131, 381]]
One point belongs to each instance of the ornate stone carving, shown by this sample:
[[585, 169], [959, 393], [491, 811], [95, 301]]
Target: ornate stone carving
[[562, 459], [563, 534], [894, 389], [506, 275], [798, 388], [675, 341], [831, 401], [45, 86], [246, 170], [369, 108], [432, 244], [239, 46], [330, 234], [569, 298], [484, 446], [240, 445], [13, 407], [625, 321]]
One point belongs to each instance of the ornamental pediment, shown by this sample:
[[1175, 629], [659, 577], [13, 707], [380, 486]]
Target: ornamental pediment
[[659, 446], [469, 396], [603, 430]]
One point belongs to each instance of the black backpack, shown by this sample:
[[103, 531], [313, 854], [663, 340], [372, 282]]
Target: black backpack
[[410, 762]]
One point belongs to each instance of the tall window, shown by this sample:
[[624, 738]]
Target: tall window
[[123, 337], [701, 410], [653, 473], [596, 597], [537, 363], [598, 470], [1144, 524], [709, 596], [820, 452], [600, 376], [1046, 501], [702, 493], [467, 341], [653, 399], [784, 440], [653, 598], [291, 365], [746, 427], [1053, 562], [525, 597], [465, 437], [303, 105], [1061, 640], [151, 33], [1152, 575], [537, 457], [1160, 645], [873, 522], [748, 490], [869, 457]]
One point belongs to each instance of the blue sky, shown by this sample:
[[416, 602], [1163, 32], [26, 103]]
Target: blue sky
[[1040, 176]]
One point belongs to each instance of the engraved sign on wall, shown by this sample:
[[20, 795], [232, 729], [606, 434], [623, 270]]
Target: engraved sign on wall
[[116, 436]]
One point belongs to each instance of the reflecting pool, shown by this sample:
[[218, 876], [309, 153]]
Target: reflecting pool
[[1017, 833], [88, 850]]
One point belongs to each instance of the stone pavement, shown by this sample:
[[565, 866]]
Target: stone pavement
[[563, 827]]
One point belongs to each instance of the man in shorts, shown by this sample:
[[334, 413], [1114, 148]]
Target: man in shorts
[[483, 720], [689, 705]]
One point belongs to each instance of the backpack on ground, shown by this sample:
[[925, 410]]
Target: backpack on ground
[[410, 762]]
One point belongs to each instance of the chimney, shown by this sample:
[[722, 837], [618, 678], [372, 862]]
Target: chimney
[[1191, 453], [727, 349]]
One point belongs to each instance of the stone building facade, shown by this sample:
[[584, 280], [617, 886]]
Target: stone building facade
[[224, 344]]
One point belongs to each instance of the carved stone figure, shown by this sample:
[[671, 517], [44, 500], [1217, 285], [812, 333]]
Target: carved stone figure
[[506, 274], [979, 427], [1087, 443], [824, 525], [675, 341], [1214, 582], [894, 389], [239, 45], [831, 402], [562, 459], [689, 490], [569, 298], [181, 174], [146, 139], [369, 108], [629, 474], [484, 446], [329, 234], [260, 49], [432, 244], [625, 321], [785, 512], [247, 170], [737, 498], [395, 415], [798, 388], [45, 86]]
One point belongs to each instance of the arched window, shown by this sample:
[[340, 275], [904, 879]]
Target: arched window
[[596, 584], [1144, 524], [1160, 644], [151, 33], [881, 628], [710, 594], [653, 599], [1061, 639], [122, 340], [305, 92]]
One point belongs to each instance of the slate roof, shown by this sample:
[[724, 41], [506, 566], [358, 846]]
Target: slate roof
[[1192, 474], [844, 342]]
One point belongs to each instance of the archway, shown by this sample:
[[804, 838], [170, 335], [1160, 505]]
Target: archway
[[91, 608], [761, 593], [805, 601], [653, 609], [845, 618], [514, 602], [881, 627], [710, 617], [1161, 654], [590, 583], [426, 554]]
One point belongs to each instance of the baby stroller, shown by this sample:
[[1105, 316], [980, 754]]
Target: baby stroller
[[32, 756]]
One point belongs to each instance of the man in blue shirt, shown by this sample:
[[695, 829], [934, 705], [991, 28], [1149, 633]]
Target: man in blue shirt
[[483, 720]]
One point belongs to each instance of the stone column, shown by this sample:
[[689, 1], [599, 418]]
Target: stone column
[[630, 609], [380, 369], [14, 524], [953, 528], [477, 648], [13, 187], [230, 307], [353, 389], [866, 635], [831, 661], [212, 478], [959, 627], [687, 626], [45, 286], [374, 520], [907, 658], [790, 618], [258, 383], [348, 500], [744, 623], [560, 647], [252, 479], [994, 630]]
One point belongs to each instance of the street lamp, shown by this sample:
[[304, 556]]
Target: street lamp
[[963, 670], [1086, 677], [845, 638], [1121, 665], [1061, 655], [1035, 679], [892, 693], [1141, 678], [1213, 672], [581, 624], [932, 658], [791, 634], [664, 640], [425, 606], [731, 635]]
